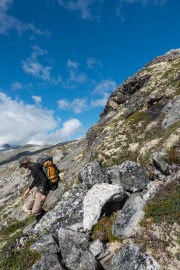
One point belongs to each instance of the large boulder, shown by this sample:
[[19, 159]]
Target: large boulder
[[92, 173], [131, 258], [172, 113], [75, 251], [130, 175], [50, 262], [67, 212], [96, 198], [158, 159], [129, 217]]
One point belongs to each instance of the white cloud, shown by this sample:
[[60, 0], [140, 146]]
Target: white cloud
[[69, 128], [72, 64], [122, 3], [37, 99], [100, 102], [63, 104], [78, 105], [35, 68], [19, 86], [103, 89], [87, 8], [8, 22], [22, 123], [78, 5], [16, 85], [77, 77], [91, 62]]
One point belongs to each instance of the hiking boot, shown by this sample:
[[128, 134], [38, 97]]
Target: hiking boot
[[40, 215]]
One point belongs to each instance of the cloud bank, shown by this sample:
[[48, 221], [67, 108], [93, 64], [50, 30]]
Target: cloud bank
[[23, 123]]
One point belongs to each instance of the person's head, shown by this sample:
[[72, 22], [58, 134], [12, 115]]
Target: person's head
[[24, 162]]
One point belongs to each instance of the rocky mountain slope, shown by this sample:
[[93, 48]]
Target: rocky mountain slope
[[117, 205]]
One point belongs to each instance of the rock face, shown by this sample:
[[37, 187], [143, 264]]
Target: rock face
[[96, 198], [91, 174], [123, 94], [130, 216], [131, 258], [74, 249], [130, 175], [172, 113]]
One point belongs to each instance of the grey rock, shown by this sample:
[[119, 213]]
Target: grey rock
[[92, 173], [129, 217], [68, 211], [158, 159], [131, 258], [75, 251], [46, 244], [152, 188], [96, 198], [49, 262], [97, 247], [172, 113], [130, 175], [123, 94], [135, 102]]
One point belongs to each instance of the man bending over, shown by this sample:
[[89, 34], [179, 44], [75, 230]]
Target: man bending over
[[40, 187]]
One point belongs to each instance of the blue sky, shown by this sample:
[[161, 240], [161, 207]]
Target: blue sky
[[60, 60]]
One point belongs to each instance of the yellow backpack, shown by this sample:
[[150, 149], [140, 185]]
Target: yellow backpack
[[51, 170]]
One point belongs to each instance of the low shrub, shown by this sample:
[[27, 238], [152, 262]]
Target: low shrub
[[103, 229], [165, 207]]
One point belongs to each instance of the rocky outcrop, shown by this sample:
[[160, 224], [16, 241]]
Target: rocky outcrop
[[91, 174], [131, 258], [75, 251], [123, 95], [172, 113], [130, 175], [169, 56], [129, 217], [96, 198], [67, 212], [158, 159]]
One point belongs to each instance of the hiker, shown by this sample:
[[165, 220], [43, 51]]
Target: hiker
[[40, 186]]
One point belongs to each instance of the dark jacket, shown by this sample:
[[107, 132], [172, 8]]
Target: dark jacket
[[40, 180]]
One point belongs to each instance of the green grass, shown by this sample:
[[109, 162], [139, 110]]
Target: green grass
[[136, 117], [8, 236], [21, 259], [165, 207]]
